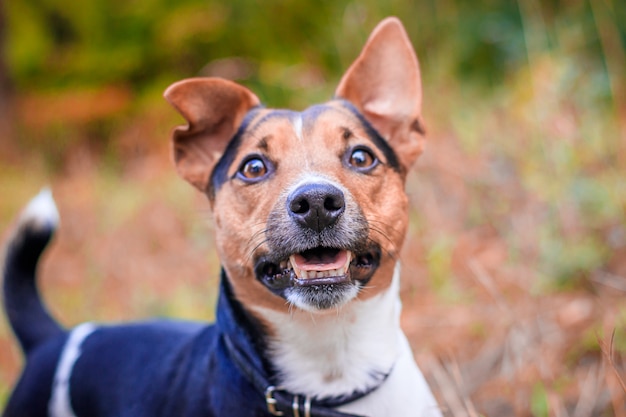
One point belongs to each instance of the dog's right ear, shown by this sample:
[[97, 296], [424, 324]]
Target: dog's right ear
[[214, 109]]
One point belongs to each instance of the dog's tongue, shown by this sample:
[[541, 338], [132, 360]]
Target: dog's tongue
[[320, 260]]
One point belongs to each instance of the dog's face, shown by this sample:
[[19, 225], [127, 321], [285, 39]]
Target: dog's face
[[309, 206]]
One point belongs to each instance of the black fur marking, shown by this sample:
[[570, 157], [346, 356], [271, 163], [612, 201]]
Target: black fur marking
[[28, 316], [263, 143], [377, 139], [276, 114], [220, 173], [311, 114]]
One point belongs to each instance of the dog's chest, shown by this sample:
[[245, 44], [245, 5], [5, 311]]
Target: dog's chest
[[344, 351], [404, 393], [353, 349]]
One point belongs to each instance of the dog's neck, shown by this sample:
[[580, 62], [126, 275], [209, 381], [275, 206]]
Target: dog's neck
[[339, 353]]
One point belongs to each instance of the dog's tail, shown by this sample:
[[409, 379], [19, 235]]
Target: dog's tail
[[27, 314]]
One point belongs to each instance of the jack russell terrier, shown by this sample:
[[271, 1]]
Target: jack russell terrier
[[310, 215]]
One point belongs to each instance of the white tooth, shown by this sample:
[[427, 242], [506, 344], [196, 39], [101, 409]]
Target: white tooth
[[336, 272], [296, 271], [322, 274], [304, 274], [346, 267]]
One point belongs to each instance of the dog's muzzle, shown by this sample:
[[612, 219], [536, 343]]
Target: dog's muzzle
[[318, 247]]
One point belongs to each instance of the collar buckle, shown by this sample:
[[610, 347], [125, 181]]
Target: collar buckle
[[270, 401]]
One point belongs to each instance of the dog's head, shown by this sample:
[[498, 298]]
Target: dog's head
[[309, 207]]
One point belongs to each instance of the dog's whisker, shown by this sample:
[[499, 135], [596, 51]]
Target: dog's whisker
[[383, 228], [256, 235], [392, 252], [261, 230], [386, 225], [382, 234], [253, 244], [252, 252], [380, 225]]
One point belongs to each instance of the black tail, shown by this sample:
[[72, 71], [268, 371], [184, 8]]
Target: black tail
[[27, 315]]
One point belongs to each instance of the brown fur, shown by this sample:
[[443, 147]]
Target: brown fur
[[383, 84]]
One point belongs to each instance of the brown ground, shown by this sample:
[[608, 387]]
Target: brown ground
[[135, 241]]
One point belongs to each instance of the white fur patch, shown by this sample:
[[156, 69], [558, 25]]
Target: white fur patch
[[404, 393], [314, 178], [302, 302], [338, 353], [60, 402], [41, 211], [297, 126]]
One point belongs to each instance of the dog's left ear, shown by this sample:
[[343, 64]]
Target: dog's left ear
[[214, 109], [384, 84]]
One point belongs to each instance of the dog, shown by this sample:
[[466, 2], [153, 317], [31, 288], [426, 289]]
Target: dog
[[310, 215]]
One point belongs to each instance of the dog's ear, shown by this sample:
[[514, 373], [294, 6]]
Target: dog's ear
[[214, 109], [384, 84]]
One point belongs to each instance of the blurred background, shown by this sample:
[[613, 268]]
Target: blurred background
[[515, 265]]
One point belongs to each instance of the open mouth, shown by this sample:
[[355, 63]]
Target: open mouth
[[318, 266]]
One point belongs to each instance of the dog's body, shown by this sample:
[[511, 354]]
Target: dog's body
[[310, 215]]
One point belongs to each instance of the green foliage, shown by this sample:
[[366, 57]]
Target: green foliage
[[545, 76], [539, 401], [140, 42], [439, 263]]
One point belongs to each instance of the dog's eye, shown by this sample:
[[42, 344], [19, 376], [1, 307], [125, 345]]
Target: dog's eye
[[253, 168], [362, 159]]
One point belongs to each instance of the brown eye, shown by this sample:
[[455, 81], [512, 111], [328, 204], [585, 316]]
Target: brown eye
[[253, 168], [361, 159]]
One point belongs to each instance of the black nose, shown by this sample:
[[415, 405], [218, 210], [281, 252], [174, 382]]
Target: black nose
[[316, 206]]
